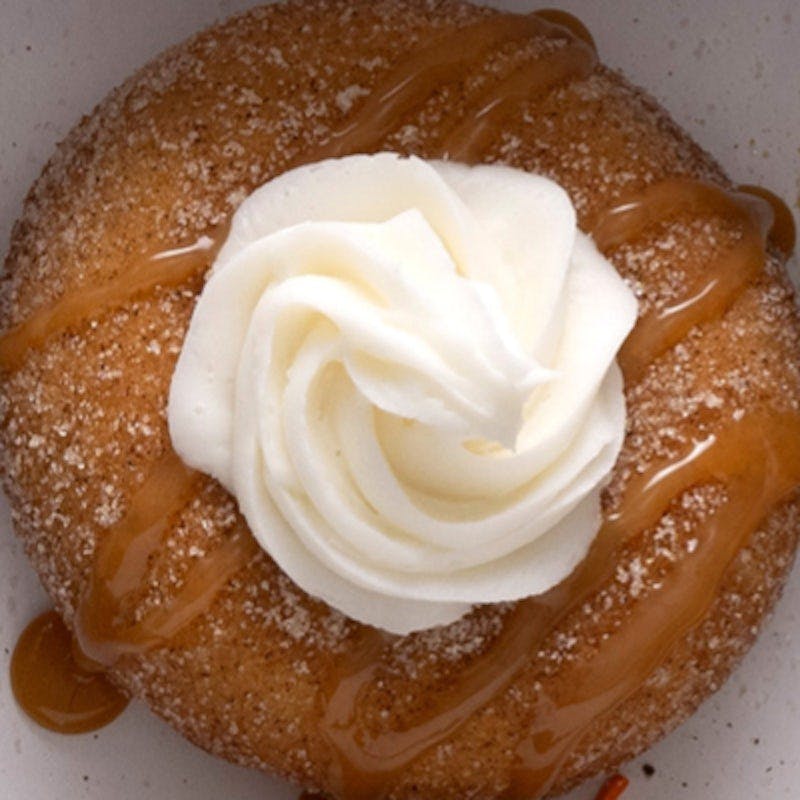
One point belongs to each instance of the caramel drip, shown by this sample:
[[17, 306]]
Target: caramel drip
[[59, 680], [53, 688], [564, 19], [573, 61], [711, 293], [167, 269], [784, 232], [446, 59], [121, 564], [758, 461]]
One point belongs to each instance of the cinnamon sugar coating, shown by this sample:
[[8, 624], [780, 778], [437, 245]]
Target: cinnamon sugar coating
[[170, 154]]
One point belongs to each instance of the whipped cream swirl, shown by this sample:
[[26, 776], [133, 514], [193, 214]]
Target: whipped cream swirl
[[405, 373]]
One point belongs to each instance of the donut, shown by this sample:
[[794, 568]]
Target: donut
[[150, 564]]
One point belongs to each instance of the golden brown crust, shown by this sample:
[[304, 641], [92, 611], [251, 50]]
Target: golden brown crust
[[173, 151]]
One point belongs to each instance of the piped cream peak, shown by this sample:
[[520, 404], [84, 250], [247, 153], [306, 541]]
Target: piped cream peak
[[405, 372]]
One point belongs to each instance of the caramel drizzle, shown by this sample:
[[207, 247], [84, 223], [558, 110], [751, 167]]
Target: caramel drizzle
[[750, 458], [711, 293], [467, 141], [757, 460], [405, 88], [447, 59], [121, 564], [367, 765], [168, 268]]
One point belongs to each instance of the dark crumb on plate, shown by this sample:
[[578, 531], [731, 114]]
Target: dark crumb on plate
[[649, 770]]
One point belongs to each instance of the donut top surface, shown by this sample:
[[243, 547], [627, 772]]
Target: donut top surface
[[721, 473]]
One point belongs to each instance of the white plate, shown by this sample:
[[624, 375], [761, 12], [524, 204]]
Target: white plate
[[728, 71]]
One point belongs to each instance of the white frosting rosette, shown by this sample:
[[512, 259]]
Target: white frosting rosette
[[405, 373]]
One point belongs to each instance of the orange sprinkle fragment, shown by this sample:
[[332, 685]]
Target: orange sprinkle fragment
[[613, 788]]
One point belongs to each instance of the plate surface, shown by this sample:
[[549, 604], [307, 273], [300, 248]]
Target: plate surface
[[726, 69]]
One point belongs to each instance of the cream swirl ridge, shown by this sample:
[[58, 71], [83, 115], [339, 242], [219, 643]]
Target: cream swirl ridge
[[405, 373]]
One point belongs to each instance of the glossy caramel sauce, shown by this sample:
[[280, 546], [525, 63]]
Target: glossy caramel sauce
[[121, 564], [755, 459], [445, 59], [566, 20], [166, 268], [469, 139], [784, 232], [711, 292], [52, 686]]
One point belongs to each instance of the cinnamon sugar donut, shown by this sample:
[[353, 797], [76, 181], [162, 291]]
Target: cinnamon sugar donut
[[151, 564]]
